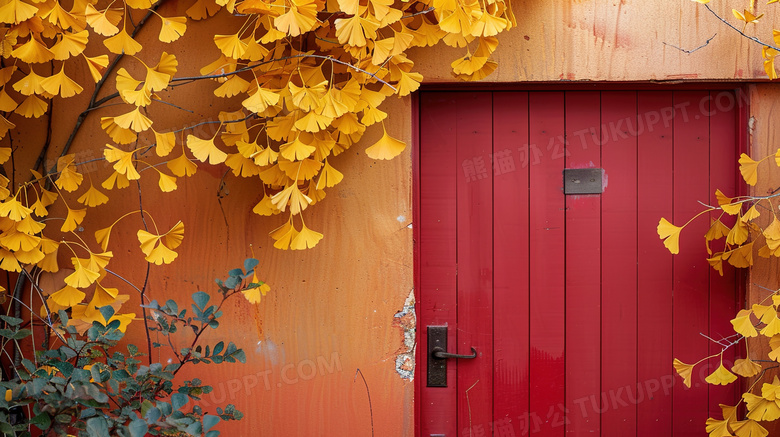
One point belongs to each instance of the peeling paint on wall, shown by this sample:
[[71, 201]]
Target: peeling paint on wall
[[406, 319]]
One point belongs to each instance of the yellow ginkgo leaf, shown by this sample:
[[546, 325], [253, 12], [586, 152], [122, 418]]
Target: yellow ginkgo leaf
[[717, 428], [388, 148], [717, 230], [68, 296], [33, 51], [133, 120], [156, 80], [29, 84], [747, 167], [751, 214], [161, 255], [118, 134], [746, 16], [73, 219], [305, 239], [260, 100], [182, 166], [99, 21], [103, 296], [743, 325], [292, 195], [69, 179], [93, 197], [684, 370], [119, 179], [96, 66], [147, 240], [16, 11], [284, 236], [745, 367], [167, 183], [121, 43], [81, 277], [205, 150], [772, 328], [721, 376], [738, 234], [172, 28], [164, 142], [741, 257], [232, 87], [265, 207], [254, 295], [14, 209], [760, 408], [8, 261], [5, 155], [231, 45], [300, 18], [175, 235], [296, 150], [32, 107], [355, 30], [749, 428], [725, 203], [102, 236], [123, 161], [71, 44], [61, 84]]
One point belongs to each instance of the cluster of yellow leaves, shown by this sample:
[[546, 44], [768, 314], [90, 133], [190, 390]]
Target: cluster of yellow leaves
[[303, 103], [745, 234], [24, 217], [729, 426], [755, 225]]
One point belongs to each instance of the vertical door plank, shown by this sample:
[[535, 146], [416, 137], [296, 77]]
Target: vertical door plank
[[510, 259], [654, 320], [437, 251], [619, 264], [547, 283], [474, 143], [691, 270], [723, 290], [583, 268]]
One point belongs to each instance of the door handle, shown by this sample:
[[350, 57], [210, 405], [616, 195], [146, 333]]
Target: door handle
[[437, 356], [440, 354]]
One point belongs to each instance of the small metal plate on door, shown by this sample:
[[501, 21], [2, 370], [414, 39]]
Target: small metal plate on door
[[583, 181], [437, 368]]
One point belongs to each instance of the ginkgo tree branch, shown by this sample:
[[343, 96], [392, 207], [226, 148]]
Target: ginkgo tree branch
[[752, 38]]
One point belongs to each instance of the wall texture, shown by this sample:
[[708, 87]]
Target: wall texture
[[328, 349]]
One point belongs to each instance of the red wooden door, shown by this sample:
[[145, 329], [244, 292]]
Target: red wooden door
[[572, 303]]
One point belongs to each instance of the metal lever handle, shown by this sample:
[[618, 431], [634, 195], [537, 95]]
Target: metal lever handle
[[441, 354]]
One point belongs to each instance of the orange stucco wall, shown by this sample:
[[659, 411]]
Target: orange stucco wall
[[336, 313]]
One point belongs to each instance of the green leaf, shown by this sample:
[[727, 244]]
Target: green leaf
[[232, 282], [218, 347], [209, 421], [12, 321], [106, 311], [178, 400], [250, 264], [42, 421], [201, 299], [193, 429], [212, 433], [235, 273], [22, 333], [97, 427], [153, 414], [138, 428]]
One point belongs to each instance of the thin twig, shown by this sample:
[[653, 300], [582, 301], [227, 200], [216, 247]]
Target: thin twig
[[706, 43], [752, 38]]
